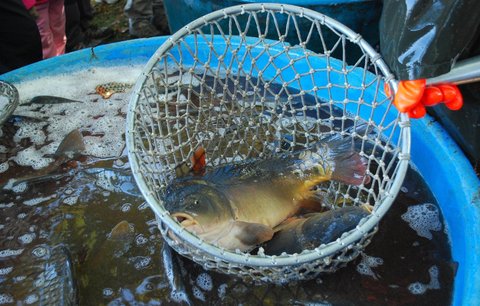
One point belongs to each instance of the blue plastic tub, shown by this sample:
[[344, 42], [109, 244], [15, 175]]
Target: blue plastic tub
[[440, 161]]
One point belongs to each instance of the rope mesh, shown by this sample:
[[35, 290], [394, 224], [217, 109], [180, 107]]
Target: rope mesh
[[252, 81]]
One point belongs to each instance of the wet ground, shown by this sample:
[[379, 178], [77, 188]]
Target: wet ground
[[85, 233]]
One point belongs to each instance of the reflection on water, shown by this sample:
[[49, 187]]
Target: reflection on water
[[70, 216]]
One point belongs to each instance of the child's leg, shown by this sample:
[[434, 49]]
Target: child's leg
[[43, 23], [57, 25]]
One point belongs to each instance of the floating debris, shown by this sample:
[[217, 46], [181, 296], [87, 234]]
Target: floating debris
[[108, 89]]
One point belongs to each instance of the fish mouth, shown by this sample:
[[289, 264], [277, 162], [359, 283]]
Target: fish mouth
[[184, 219]]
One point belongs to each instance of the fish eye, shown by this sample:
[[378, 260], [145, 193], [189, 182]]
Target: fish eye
[[196, 202]]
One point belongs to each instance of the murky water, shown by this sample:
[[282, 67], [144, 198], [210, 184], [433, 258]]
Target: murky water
[[407, 263]]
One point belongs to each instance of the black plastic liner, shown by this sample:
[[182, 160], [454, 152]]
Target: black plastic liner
[[423, 39]]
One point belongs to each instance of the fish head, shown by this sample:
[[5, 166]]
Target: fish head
[[198, 206]]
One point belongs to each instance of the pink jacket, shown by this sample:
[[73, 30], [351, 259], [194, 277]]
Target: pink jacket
[[29, 3], [38, 2]]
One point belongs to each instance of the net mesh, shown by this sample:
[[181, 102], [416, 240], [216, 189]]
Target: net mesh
[[253, 81], [9, 100]]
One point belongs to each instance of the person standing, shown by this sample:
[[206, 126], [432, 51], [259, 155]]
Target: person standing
[[20, 42], [51, 24], [140, 17]]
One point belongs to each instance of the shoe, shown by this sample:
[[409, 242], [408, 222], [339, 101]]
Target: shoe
[[142, 28]]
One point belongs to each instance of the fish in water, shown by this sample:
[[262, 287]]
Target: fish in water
[[50, 277], [70, 146], [49, 100], [172, 272], [114, 245], [122, 232], [311, 230], [114, 180], [108, 89], [238, 205]]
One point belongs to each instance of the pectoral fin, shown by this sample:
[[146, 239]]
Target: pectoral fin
[[252, 234]]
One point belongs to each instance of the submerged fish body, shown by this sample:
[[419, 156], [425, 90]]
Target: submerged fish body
[[310, 231], [237, 206], [70, 146], [114, 180], [48, 277], [42, 100]]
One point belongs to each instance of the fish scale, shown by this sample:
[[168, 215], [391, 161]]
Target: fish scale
[[238, 205]]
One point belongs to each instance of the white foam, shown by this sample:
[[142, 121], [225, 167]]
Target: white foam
[[4, 166], [10, 252], [198, 293], [27, 238], [3, 205], [102, 121], [126, 207], [71, 200], [367, 263], [418, 288], [36, 201], [222, 291], [107, 292], [67, 85], [204, 281], [178, 296], [6, 270], [423, 219], [5, 298], [118, 163], [434, 281], [31, 299], [19, 188], [32, 157], [140, 240], [40, 252], [141, 262], [9, 184], [20, 278], [68, 191], [33, 131]]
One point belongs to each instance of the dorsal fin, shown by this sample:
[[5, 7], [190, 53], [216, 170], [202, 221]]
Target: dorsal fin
[[72, 143]]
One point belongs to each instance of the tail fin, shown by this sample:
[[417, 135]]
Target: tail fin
[[350, 167]]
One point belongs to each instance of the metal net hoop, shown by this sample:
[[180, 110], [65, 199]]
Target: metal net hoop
[[236, 82], [9, 100]]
